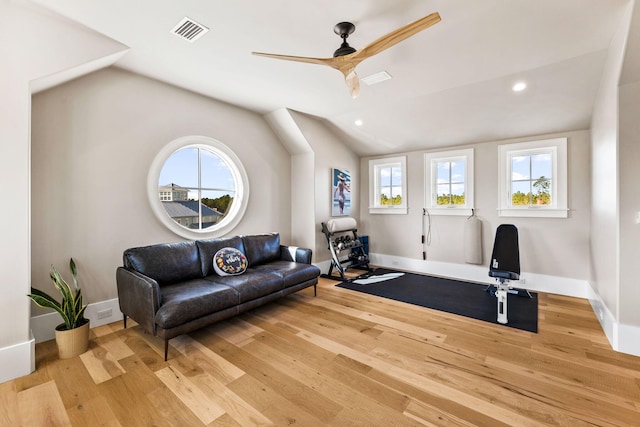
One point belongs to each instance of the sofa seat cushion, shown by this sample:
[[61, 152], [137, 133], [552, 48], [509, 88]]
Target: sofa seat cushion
[[192, 299], [252, 284], [292, 273]]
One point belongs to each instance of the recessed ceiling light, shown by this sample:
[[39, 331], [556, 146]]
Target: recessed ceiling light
[[358, 122], [519, 87]]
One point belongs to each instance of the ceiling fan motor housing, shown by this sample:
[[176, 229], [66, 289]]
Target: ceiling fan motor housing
[[343, 29]]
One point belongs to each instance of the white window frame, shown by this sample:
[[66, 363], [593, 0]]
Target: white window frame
[[375, 165], [241, 197], [558, 207], [431, 181]]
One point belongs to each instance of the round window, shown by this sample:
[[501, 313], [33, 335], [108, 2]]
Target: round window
[[197, 186]]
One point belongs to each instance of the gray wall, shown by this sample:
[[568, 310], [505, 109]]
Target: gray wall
[[551, 246], [93, 140]]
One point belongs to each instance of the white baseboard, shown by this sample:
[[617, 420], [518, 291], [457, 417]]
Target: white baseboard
[[628, 339], [17, 360], [480, 274], [99, 314], [623, 338]]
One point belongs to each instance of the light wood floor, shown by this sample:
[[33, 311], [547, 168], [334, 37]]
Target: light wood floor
[[340, 359]]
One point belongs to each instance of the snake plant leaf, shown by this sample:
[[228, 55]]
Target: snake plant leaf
[[60, 284], [44, 300], [74, 272]]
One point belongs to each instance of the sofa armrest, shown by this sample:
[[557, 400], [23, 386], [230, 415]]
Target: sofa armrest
[[138, 297], [294, 253]]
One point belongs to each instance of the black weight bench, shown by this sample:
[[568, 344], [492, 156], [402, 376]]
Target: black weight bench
[[505, 266]]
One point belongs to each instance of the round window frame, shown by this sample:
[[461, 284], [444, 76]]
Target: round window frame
[[241, 198]]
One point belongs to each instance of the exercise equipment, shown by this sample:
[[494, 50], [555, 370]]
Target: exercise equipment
[[342, 237], [505, 266]]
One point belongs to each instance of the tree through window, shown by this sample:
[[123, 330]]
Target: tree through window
[[388, 185], [449, 182], [531, 179]]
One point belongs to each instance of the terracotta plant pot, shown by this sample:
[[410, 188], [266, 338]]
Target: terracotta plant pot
[[72, 342]]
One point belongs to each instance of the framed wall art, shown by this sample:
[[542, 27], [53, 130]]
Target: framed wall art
[[340, 192]]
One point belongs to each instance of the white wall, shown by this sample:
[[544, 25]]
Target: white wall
[[49, 47], [610, 213], [629, 134], [303, 201], [93, 142], [548, 246], [605, 179], [329, 152], [303, 177], [629, 204]]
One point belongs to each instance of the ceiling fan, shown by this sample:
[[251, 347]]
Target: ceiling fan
[[345, 58]]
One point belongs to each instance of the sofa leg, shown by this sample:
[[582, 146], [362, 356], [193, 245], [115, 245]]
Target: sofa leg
[[166, 349], [315, 290], [124, 319]]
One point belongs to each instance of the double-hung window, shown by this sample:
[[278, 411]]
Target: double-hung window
[[533, 179], [449, 182], [388, 185]]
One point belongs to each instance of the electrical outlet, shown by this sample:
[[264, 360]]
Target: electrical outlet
[[103, 314]]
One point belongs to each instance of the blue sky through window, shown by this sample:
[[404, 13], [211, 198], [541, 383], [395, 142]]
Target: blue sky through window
[[391, 181], [181, 168]]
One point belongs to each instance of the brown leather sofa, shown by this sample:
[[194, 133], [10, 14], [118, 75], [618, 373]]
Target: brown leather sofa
[[171, 289]]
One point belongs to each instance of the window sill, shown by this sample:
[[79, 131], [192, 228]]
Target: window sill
[[533, 212], [389, 211]]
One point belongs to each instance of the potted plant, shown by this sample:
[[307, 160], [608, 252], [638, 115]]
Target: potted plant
[[72, 336]]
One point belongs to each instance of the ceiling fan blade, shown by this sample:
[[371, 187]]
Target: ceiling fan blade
[[346, 64], [321, 61], [353, 83], [397, 36]]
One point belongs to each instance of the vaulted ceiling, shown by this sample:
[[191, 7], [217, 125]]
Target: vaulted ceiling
[[451, 84]]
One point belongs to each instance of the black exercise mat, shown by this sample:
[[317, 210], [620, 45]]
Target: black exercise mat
[[453, 296]]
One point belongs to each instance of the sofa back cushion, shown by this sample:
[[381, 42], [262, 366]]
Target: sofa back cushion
[[261, 248], [208, 249], [166, 263]]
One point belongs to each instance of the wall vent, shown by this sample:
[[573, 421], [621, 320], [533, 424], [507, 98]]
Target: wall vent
[[189, 30]]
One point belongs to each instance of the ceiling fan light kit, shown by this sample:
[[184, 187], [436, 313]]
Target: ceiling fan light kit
[[345, 58]]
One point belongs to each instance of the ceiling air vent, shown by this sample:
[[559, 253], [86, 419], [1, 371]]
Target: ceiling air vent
[[376, 78], [189, 29]]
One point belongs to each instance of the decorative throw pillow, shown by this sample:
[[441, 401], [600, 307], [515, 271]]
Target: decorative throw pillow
[[229, 262]]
